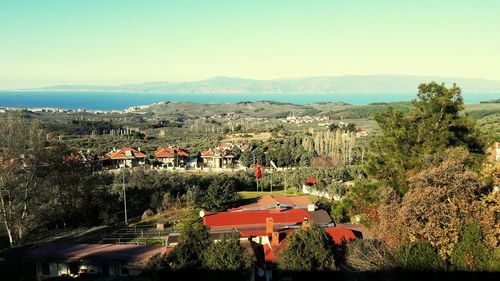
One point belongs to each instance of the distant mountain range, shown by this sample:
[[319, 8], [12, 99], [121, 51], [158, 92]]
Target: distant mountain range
[[336, 84]]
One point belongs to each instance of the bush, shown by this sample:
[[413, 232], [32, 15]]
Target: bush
[[369, 255], [419, 256], [226, 255], [148, 213], [471, 253], [308, 249]]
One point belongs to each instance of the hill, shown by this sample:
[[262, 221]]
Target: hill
[[335, 84]]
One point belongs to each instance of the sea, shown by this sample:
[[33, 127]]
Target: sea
[[108, 101]]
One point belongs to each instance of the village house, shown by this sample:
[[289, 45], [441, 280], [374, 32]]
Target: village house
[[218, 158], [126, 157], [97, 260], [172, 156]]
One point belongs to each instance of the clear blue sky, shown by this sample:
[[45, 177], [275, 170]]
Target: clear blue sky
[[44, 42]]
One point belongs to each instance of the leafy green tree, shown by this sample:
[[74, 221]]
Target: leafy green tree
[[419, 256], [471, 253], [308, 249], [226, 255], [408, 141], [221, 194], [188, 254]]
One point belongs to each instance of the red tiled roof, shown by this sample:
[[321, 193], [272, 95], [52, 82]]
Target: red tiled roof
[[255, 218], [222, 153], [97, 252], [169, 152], [311, 181], [208, 153], [123, 154], [337, 233]]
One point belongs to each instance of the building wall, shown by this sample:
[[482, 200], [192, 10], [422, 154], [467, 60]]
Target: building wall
[[57, 269]]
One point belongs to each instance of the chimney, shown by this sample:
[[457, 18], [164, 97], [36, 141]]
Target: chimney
[[305, 223], [275, 240], [278, 206], [269, 225]]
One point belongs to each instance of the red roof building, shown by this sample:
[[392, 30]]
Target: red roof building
[[256, 219], [218, 158], [126, 157], [172, 156]]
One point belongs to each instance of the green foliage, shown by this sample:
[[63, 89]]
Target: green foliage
[[308, 249], [471, 253], [341, 210], [221, 194], [408, 141], [188, 254], [419, 256], [226, 255]]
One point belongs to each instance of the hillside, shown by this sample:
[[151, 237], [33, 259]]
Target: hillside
[[334, 84]]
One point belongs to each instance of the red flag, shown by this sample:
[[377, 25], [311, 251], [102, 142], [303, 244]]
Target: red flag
[[258, 175]]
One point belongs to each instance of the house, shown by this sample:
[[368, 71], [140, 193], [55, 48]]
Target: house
[[172, 156], [100, 260], [126, 157], [86, 158], [218, 158]]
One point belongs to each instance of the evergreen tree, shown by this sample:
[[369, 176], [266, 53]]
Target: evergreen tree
[[308, 249], [226, 255], [409, 141]]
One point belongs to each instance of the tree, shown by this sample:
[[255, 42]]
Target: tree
[[22, 150], [226, 255], [440, 200], [369, 255], [308, 249], [408, 141], [221, 194], [471, 253], [419, 256], [188, 254]]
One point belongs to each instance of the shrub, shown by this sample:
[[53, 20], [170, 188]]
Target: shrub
[[148, 213], [369, 255], [471, 253], [419, 256], [308, 249], [226, 255]]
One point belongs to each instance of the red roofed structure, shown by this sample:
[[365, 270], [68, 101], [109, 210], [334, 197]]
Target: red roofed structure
[[218, 158], [256, 219], [338, 235], [69, 259], [127, 157], [172, 156], [311, 181]]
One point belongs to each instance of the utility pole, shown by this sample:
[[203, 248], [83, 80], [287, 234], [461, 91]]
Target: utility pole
[[125, 198], [271, 182]]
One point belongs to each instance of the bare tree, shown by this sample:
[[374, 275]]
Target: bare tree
[[21, 146]]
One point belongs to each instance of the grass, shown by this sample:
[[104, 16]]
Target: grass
[[255, 194]]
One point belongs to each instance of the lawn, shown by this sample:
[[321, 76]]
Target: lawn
[[255, 194]]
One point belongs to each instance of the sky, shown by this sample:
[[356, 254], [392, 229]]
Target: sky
[[120, 41]]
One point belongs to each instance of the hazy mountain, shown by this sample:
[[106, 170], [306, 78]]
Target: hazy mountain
[[337, 84]]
